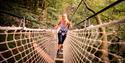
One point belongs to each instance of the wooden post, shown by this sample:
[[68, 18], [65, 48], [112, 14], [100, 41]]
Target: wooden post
[[104, 46]]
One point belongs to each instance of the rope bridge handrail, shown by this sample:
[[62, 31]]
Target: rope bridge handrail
[[86, 45], [19, 45]]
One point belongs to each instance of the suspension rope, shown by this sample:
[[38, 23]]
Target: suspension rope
[[102, 10], [77, 8]]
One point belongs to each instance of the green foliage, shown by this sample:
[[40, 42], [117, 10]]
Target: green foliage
[[50, 9]]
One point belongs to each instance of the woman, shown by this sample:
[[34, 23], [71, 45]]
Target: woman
[[63, 26]]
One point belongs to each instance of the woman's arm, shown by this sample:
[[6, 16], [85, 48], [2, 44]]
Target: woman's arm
[[69, 25], [57, 25]]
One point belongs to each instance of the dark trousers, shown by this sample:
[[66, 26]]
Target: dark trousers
[[61, 38]]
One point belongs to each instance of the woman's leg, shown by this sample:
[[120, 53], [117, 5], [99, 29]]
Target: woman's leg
[[59, 42], [59, 46]]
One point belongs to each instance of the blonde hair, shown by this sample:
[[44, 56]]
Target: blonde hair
[[66, 17]]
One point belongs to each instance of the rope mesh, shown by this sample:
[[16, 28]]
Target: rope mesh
[[27, 45], [85, 45]]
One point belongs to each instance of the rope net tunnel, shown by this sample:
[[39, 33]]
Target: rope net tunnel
[[95, 43], [19, 45]]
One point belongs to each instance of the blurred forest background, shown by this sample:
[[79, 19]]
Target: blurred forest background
[[44, 13]]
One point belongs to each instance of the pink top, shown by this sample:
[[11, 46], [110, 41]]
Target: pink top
[[63, 22]]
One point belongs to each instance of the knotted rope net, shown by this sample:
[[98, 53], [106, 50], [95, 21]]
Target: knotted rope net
[[102, 43], [19, 45]]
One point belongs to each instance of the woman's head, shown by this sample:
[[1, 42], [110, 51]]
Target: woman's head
[[64, 16]]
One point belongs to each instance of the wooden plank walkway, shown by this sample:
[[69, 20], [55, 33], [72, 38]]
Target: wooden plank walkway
[[59, 57]]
